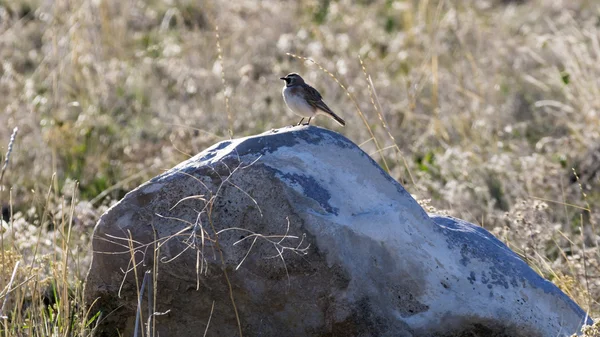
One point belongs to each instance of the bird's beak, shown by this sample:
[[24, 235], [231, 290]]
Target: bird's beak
[[283, 78]]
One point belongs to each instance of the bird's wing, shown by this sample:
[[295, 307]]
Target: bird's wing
[[311, 94], [313, 97]]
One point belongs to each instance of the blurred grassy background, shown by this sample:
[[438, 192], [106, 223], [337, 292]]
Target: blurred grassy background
[[487, 106]]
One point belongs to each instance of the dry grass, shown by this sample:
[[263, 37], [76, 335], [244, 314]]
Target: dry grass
[[480, 106]]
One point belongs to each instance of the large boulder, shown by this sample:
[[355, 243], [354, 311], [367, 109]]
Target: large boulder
[[298, 232]]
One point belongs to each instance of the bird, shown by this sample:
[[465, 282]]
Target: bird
[[304, 100]]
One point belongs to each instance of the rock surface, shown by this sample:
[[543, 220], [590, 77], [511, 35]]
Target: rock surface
[[308, 236]]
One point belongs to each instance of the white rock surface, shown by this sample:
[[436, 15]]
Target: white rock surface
[[343, 250]]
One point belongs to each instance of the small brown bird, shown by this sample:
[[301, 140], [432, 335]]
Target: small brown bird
[[304, 100]]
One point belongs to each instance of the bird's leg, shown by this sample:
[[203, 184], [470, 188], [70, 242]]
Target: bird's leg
[[308, 123], [300, 122]]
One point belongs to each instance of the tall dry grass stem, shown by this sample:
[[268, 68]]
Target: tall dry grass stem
[[11, 143], [224, 83], [378, 109]]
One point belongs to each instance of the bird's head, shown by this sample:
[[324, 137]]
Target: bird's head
[[292, 79]]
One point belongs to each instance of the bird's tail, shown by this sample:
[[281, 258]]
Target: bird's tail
[[337, 118], [325, 109]]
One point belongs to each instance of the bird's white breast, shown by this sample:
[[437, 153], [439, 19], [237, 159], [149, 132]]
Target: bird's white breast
[[297, 103]]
